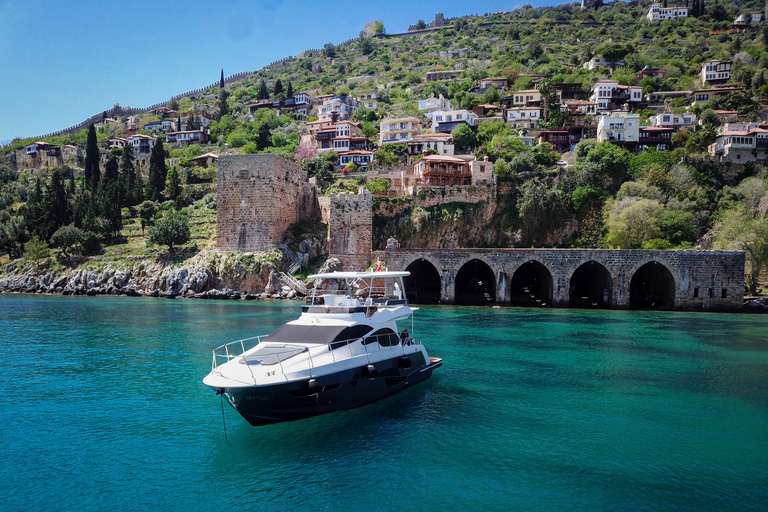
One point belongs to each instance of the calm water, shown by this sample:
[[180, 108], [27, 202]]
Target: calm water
[[102, 408]]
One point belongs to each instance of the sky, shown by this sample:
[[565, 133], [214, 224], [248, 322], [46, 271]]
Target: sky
[[66, 60]]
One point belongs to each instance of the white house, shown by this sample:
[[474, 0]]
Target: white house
[[524, 117], [672, 120], [657, 13], [399, 130], [617, 127], [609, 95], [715, 71], [431, 105], [446, 121], [440, 142], [598, 62], [142, 143], [740, 146]]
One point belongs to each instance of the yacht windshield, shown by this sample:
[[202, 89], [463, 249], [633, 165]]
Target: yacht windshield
[[315, 334]]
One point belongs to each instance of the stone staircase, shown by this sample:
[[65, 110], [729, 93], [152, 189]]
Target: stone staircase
[[287, 276]]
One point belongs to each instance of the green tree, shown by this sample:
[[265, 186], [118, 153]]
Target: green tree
[[172, 230], [329, 51], [130, 181], [289, 90], [278, 87], [223, 105], [263, 93], [157, 172], [68, 238], [37, 250], [146, 212], [378, 186], [463, 137], [629, 226], [13, 235], [173, 185], [56, 210], [91, 169]]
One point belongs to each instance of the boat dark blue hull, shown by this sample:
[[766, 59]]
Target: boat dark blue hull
[[348, 389]]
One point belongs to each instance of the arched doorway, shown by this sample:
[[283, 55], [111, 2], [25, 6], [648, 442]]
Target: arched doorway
[[590, 287], [652, 287], [423, 285], [531, 285], [475, 284]]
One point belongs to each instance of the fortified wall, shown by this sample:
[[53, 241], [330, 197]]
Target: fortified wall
[[259, 198], [619, 279], [350, 228]]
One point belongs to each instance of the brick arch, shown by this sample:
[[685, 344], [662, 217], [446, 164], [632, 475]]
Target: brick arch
[[541, 290], [471, 291], [654, 298], [542, 261], [495, 268], [592, 287]]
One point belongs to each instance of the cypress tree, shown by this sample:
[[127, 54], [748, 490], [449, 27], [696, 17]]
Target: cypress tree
[[157, 172], [91, 171], [223, 106], [111, 170], [56, 208], [263, 93], [289, 94], [221, 83], [174, 186], [278, 86]]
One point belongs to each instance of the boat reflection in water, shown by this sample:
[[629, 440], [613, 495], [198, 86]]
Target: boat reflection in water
[[344, 351]]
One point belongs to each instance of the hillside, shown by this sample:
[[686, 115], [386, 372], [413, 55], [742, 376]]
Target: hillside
[[614, 195]]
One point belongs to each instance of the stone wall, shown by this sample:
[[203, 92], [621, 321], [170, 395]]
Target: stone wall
[[350, 229], [703, 280], [433, 196], [259, 198]]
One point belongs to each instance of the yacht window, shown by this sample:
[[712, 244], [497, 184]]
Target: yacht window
[[351, 333], [385, 337]]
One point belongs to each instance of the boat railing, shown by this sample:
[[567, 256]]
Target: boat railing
[[229, 351]]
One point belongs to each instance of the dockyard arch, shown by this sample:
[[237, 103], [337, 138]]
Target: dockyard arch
[[475, 284], [531, 285], [590, 287], [423, 286], [652, 287]]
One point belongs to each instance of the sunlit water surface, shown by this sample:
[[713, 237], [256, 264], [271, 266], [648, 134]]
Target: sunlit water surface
[[102, 408]]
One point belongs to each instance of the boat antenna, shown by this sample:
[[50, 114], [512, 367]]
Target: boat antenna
[[220, 392]]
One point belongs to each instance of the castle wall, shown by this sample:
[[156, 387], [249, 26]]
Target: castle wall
[[350, 236], [259, 198]]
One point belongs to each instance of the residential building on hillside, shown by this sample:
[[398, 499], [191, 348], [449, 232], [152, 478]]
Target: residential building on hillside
[[440, 142], [483, 85], [598, 62], [206, 160], [560, 139], [142, 144], [368, 100], [203, 118], [359, 157], [740, 146], [446, 121], [657, 13], [115, 142], [655, 137], [431, 105], [482, 172], [486, 110], [398, 130], [133, 123], [101, 123], [314, 127], [715, 71], [649, 72], [704, 95], [620, 128], [673, 120], [663, 97], [524, 117], [526, 98], [441, 170], [609, 95], [188, 137], [579, 107], [340, 106]]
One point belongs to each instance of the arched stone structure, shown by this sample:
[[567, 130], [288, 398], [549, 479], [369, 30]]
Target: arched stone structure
[[652, 287], [590, 286], [424, 285], [475, 284], [703, 280], [531, 285]]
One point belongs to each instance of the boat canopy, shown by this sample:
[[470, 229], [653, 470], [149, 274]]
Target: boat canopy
[[358, 275], [317, 334]]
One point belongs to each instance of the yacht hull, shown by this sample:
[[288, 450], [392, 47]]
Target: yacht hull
[[264, 405]]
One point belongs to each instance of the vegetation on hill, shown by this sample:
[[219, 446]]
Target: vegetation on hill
[[655, 199]]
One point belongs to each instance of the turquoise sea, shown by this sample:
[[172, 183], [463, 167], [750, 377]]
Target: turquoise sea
[[102, 408]]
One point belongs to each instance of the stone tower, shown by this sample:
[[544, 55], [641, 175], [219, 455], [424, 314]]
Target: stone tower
[[259, 198], [350, 229]]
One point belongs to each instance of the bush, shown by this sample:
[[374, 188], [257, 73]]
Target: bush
[[68, 238]]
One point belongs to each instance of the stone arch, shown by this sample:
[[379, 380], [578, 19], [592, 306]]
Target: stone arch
[[531, 285], [475, 283], [424, 285], [590, 286], [652, 286]]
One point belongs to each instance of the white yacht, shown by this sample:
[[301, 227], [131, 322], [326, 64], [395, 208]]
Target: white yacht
[[344, 351]]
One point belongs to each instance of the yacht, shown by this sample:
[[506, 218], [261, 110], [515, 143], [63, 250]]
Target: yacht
[[344, 351]]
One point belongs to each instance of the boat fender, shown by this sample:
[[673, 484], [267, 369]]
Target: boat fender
[[405, 362], [370, 371], [311, 385]]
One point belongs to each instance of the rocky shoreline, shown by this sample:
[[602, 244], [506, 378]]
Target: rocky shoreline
[[209, 275]]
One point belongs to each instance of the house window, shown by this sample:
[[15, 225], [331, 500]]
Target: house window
[[695, 293], [724, 293]]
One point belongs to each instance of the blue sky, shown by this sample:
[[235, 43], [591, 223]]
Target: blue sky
[[63, 61]]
